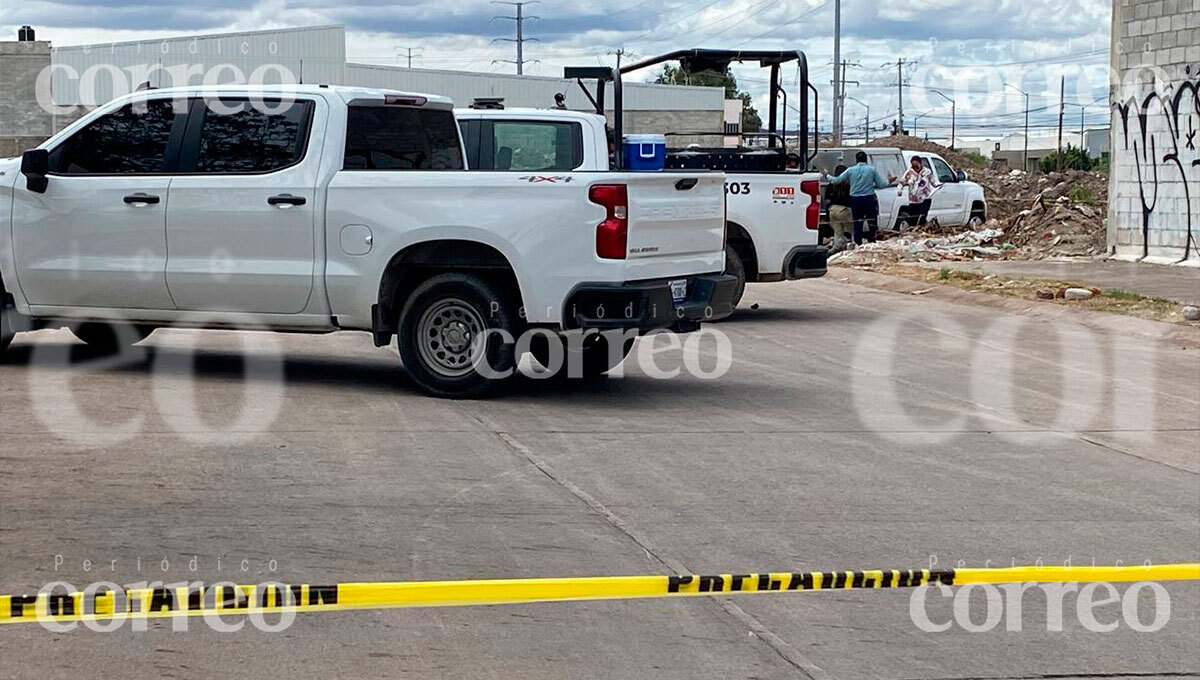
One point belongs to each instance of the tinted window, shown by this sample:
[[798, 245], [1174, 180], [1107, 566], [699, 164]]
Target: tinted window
[[942, 171], [237, 136], [131, 140], [402, 138], [535, 145]]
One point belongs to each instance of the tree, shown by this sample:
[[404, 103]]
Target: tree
[[1071, 158], [673, 75]]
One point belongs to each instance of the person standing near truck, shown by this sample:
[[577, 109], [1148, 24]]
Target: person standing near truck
[[840, 217], [864, 205], [919, 181]]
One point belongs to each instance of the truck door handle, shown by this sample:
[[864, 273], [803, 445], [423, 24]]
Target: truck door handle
[[140, 199], [286, 200]]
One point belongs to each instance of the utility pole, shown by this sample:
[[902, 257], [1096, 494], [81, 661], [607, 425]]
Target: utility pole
[[620, 53], [1062, 108], [900, 84], [1025, 153], [837, 77], [409, 50], [520, 40], [839, 98], [1082, 110]]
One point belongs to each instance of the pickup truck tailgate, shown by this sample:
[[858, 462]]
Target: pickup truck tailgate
[[676, 223]]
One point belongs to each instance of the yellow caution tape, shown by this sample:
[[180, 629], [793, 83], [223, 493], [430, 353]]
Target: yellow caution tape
[[198, 600]]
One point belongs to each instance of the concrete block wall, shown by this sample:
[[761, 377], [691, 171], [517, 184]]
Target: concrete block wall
[[1154, 186], [23, 122]]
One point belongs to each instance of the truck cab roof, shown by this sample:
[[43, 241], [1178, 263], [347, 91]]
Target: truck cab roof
[[346, 93], [527, 113]]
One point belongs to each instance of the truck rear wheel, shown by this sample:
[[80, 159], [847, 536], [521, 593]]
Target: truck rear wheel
[[735, 267], [110, 338], [457, 335], [6, 333]]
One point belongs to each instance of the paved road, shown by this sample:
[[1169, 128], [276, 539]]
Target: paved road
[[855, 428]]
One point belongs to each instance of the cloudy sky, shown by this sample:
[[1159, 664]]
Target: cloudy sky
[[1026, 44]]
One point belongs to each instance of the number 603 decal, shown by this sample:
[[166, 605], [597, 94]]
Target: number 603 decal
[[737, 188]]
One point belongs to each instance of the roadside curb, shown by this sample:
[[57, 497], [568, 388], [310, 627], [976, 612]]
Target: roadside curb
[[1187, 337]]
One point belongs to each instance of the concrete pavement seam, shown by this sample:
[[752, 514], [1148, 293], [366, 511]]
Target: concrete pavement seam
[[777, 644]]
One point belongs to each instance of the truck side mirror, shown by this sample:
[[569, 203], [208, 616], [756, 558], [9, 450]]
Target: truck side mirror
[[961, 176], [35, 165]]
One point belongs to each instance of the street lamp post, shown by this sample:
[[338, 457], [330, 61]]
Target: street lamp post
[[1025, 153], [953, 106], [1082, 113], [867, 120], [919, 116]]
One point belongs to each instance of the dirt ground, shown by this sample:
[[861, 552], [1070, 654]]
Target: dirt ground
[[1116, 301]]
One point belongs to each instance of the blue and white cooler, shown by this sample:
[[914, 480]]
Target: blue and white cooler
[[645, 153]]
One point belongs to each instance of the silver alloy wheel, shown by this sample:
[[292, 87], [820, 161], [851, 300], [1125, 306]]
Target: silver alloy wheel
[[446, 337]]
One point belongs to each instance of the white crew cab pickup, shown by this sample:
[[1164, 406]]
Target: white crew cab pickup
[[957, 201], [772, 217], [316, 209]]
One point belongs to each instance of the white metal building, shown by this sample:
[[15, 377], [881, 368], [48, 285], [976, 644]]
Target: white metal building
[[90, 75]]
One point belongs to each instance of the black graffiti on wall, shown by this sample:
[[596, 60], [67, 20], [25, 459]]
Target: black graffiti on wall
[[1178, 106]]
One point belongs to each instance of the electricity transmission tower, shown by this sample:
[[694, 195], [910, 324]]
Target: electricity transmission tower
[[409, 50], [520, 40]]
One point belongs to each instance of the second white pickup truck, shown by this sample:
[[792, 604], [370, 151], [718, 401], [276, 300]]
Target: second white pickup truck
[[315, 209], [774, 203]]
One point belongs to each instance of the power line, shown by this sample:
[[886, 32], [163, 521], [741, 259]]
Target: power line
[[793, 21], [750, 14], [656, 29]]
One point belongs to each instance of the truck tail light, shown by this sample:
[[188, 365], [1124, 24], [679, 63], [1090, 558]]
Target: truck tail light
[[612, 235], [812, 215]]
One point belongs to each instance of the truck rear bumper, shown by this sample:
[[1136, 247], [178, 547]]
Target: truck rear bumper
[[649, 305], [806, 262]]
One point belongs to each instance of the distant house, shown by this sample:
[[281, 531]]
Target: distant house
[[1011, 149]]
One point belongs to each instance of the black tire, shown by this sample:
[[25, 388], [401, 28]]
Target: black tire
[[6, 332], [735, 266], [111, 338], [593, 358], [437, 331]]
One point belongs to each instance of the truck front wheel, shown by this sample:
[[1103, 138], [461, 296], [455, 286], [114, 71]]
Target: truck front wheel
[[456, 335], [735, 267]]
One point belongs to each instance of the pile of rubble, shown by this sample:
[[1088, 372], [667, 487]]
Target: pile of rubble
[[1055, 215], [910, 143], [986, 243], [1030, 216]]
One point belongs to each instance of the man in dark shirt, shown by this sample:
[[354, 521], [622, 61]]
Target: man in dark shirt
[[840, 217]]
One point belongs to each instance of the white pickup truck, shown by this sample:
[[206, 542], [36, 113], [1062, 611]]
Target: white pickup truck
[[768, 213], [957, 201], [316, 209], [774, 206]]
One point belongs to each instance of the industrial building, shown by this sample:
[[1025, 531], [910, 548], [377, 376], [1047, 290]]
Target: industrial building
[[85, 76]]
